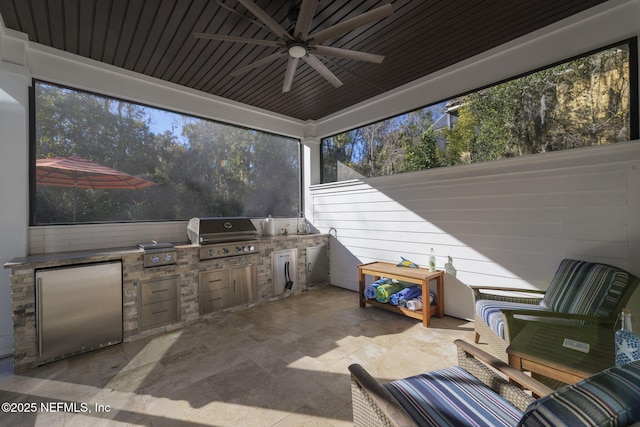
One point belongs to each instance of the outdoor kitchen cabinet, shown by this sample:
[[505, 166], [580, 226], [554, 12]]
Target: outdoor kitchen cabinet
[[284, 268], [214, 290], [243, 284], [227, 287], [159, 301], [316, 265]]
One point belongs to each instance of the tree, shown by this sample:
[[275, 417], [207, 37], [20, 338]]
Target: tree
[[575, 104], [582, 102], [109, 132], [424, 155], [375, 150]]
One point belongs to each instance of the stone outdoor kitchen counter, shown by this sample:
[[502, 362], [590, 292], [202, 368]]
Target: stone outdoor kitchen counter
[[187, 269]]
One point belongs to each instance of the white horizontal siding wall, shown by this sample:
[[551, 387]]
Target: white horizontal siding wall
[[506, 223]]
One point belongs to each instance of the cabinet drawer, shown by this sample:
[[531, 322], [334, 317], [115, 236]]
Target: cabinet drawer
[[212, 300], [157, 290], [214, 280], [158, 313]]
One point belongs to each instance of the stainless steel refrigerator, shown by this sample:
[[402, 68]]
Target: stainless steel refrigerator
[[79, 308]]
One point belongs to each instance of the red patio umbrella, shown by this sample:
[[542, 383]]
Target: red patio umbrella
[[81, 173], [77, 172]]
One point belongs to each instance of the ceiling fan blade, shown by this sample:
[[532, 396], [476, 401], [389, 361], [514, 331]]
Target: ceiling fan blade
[[266, 19], [305, 17], [260, 62], [347, 53], [351, 24], [291, 71], [322, 70], [248, 40]]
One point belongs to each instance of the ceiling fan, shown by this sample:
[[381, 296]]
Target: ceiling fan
[[301, 44]]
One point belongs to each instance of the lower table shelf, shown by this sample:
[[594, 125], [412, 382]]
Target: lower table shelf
[[419, 276], [419, 314]]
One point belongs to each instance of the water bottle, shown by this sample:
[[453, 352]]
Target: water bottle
[[432, 260], [449, 268], [627, 343]]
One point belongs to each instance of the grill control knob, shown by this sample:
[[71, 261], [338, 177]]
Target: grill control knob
[[225, 250], [239, 248], [212, 252], [167, 257], [250, 248]]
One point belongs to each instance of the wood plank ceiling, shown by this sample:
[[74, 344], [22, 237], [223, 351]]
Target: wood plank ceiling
[[154, 37]]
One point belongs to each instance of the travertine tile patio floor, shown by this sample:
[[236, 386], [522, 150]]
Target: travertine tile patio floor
[[281, 363]]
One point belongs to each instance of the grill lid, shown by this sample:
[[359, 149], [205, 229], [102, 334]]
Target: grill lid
[[203, 231]]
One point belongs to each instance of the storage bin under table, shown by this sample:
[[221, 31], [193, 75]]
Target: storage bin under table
[[418, 276]]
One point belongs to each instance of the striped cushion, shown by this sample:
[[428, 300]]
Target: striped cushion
[[491, 312], [452, 397], [609, 398], [581, 287]]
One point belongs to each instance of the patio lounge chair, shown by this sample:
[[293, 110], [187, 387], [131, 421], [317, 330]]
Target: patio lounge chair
[[580, 291], [475, 394]]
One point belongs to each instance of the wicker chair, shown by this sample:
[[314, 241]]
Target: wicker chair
[[580, 291], [483, 390]]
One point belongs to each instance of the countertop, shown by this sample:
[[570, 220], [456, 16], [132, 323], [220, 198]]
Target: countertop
[[89, 255]]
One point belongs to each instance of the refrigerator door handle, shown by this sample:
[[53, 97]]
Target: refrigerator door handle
[[39, 313]]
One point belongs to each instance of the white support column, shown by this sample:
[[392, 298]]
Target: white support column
[[14, 185], [311, 172]]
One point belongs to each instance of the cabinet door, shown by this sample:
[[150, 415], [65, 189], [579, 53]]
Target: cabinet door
[[317, 265], [243, 284], [283, 262]]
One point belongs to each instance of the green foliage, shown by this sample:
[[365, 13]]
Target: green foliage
[[378, 149], [424, 155], [213, 170], [579, 103]]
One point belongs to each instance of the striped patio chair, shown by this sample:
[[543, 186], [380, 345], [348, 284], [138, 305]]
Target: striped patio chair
[[580, 291], [484, 391]]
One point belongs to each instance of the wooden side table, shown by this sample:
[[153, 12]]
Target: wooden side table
[[538, 349], [418, 276]]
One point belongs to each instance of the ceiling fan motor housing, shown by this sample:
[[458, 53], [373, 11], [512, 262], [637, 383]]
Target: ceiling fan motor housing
[[297, 48]]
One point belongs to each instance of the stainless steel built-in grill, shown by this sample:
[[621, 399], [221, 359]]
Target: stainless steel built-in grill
[[223, 237]]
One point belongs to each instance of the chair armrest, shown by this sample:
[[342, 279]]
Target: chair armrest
[[556, 317], [486, 292], [515, 320], [380, 396], [499, 288], [512, 374]]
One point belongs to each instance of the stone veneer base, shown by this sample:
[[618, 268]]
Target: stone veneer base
[[187, 269]]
